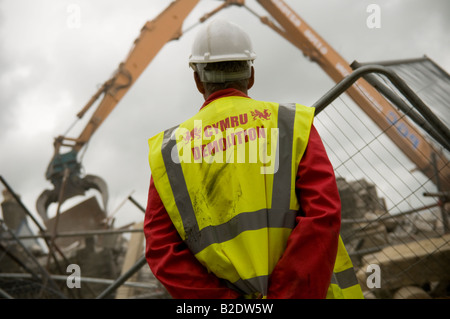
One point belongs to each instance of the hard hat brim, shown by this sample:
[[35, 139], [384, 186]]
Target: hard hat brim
[[207, 59]]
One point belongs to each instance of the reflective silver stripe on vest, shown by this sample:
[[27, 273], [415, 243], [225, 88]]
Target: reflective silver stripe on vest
[[281, 193], [345, 279], [279, 215], [251, 285], [240, 223], [178, 185]]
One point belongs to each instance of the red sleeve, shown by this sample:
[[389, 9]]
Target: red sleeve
[[171, 262], [306, 267]]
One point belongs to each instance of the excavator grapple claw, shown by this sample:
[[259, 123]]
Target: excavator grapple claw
[[64, 173]]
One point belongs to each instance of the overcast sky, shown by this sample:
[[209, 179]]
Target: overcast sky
[[50, 66]]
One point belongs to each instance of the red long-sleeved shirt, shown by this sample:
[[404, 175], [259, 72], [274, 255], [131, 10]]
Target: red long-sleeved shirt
[[306, 266]]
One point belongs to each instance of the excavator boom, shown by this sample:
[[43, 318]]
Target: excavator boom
[[153, 36], [167, 26], [401, 131]]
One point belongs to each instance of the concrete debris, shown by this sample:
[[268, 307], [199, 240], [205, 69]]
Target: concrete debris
[[410, 249], [82, 238]]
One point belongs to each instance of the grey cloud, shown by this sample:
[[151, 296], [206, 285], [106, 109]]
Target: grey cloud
[[74, 62]]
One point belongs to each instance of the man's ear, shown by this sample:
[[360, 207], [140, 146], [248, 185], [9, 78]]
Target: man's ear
[[251, 80], [199, 83]]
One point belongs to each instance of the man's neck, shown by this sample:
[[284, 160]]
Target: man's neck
[[223, 93]]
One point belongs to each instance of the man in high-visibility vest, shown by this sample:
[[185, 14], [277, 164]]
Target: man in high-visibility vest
[[243, 200]]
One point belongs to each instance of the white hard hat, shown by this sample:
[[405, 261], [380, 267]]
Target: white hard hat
[[219, 41]]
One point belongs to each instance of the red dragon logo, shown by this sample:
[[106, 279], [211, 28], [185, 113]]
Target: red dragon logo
[[195, 133], [260, 115]]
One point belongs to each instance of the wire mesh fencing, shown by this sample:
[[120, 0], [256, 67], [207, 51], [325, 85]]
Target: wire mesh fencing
[[394, 218], [395, 222]]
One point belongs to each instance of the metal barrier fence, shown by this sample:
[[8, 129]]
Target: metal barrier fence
[[394, 219]]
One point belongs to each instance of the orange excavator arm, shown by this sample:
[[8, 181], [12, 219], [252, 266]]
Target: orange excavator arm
[[405, 135], [154, 35], [166, 27]]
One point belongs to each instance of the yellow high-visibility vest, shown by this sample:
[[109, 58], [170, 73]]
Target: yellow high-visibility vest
[[227, 177]]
